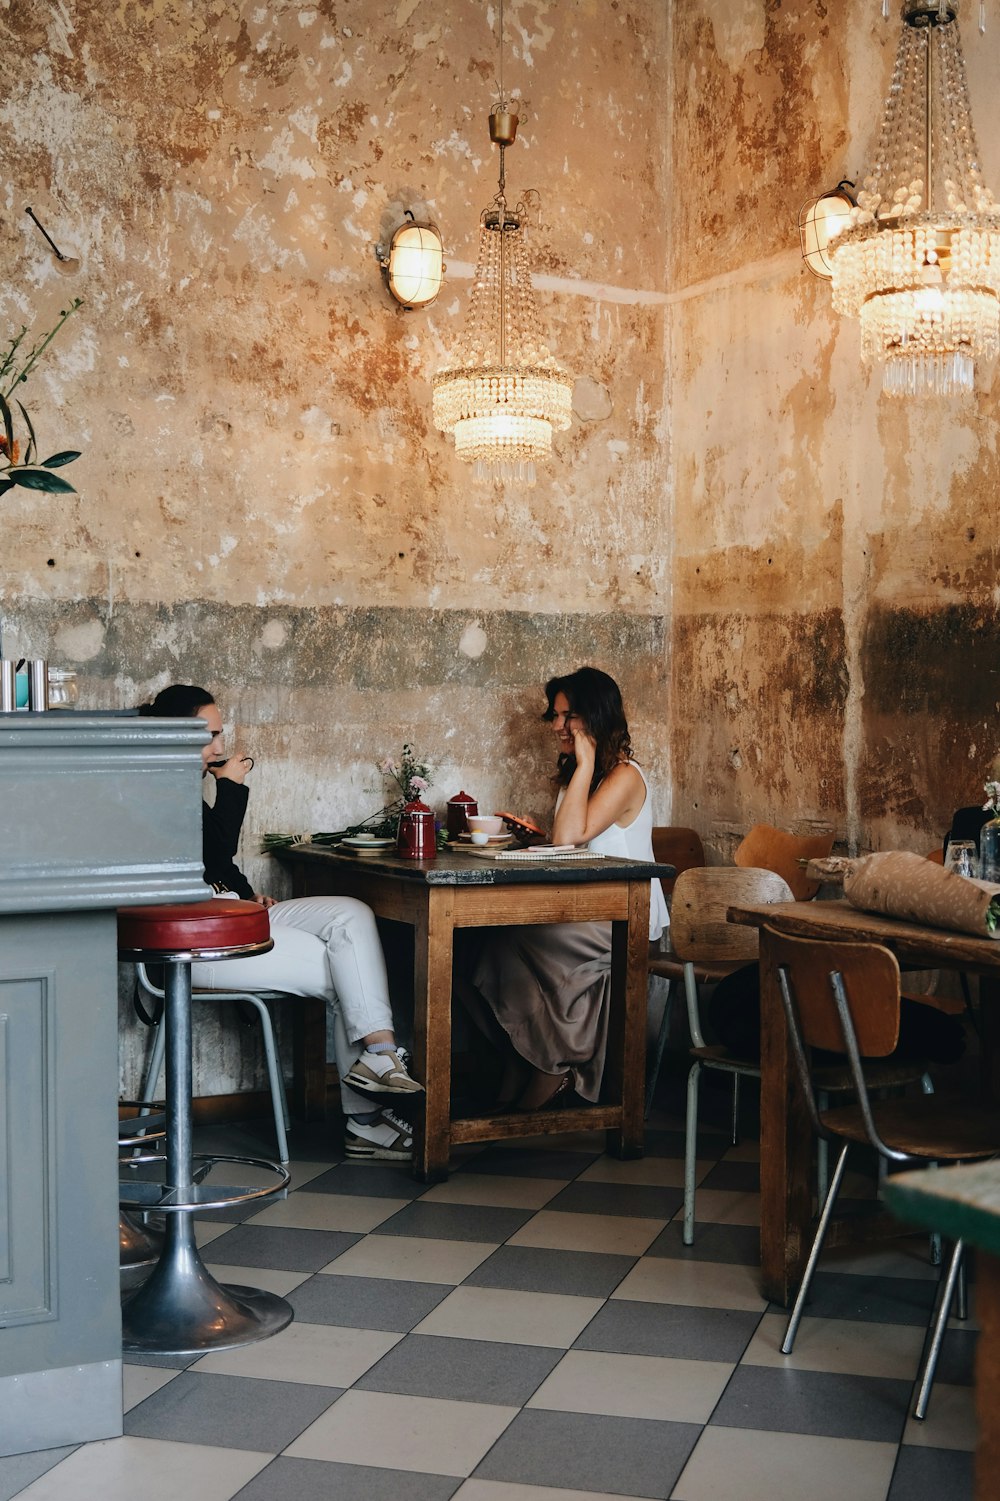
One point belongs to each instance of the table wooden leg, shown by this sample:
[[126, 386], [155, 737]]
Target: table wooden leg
[[433, 942], [625, 1069], [785, 1148]]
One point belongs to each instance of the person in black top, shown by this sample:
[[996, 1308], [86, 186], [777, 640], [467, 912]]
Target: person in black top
[[323, 946]]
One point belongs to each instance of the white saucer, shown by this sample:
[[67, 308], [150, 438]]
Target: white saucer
[[360, 842], [493, 839]]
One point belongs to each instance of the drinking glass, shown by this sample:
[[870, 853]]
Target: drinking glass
[[960, 856]]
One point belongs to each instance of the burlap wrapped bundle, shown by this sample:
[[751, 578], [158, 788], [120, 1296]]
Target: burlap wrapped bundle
[[900, 884]]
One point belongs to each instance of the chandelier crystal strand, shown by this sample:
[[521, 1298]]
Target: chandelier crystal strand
[[919, 260]]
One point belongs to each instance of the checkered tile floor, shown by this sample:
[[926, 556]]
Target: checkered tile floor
[[534, 1330]]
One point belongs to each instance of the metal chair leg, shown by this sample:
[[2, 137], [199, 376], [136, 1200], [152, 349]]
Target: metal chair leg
[[735, 1127], [817, 1246], [275, 1079], [822, 1153], [938, 1331], [662, 1036], [690, 1152]]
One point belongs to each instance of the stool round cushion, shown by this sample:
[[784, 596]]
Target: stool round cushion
[[194, 928]]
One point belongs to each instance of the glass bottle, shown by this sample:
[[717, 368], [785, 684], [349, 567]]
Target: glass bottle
[[63, 691], [989, 851]]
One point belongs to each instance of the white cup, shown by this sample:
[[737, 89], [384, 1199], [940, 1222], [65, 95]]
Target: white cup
[[479, 836]]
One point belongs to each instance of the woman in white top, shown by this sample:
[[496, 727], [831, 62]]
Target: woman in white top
[[549, 986]]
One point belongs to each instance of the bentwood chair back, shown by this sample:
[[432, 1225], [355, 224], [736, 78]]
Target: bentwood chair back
[[710, 947], [845, 997], [772, 849]]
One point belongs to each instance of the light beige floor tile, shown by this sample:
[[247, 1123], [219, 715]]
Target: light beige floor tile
[[743, 1463], [205, 1231], [411, 1258], [634, 1386], [694, 1284], [618, 1234], [140, 1382], [515, 1318], [318, 1354], [120, 1469], [503, 1490], [305, 1211], [843, 1346], [950, 1422], [257, 1276], [719, 1206], [403, 1433], [652, 1172], [493, 1188]]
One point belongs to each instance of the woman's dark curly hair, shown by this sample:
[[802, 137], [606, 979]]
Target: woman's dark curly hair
[[597, 699], [179, 701]]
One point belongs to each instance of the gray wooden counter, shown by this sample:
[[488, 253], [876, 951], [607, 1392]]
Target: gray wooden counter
[[96, 812]]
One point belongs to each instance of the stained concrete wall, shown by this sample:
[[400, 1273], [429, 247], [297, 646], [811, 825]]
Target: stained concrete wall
[[834, 625]]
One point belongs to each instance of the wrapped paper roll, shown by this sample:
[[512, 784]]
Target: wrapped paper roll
[[900, 884]]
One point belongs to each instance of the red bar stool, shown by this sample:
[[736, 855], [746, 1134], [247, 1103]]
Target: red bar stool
[[181, 1309]]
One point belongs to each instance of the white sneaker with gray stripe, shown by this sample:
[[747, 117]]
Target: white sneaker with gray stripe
[[382, 1073], [386, 1138]]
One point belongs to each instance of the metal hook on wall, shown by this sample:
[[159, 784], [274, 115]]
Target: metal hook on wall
[[66, 262]]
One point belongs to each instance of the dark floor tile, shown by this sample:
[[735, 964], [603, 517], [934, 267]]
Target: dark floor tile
[[816, 1402], [738, 1245], [160, 1362], [19, 1470], [924, 1474], [734, 1177], [580, 1451], [230, 1412], [365, 1302], [957, 1361], [627, 1328], [631, 1199], [314, 1480], [665, 1143], [870, 1299], [376, 1180], [278, 1249], [455, 1222], [531, 1269], [529, 1162], [461, 1370]]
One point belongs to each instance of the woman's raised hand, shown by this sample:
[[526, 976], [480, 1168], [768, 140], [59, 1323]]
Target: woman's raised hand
[[584, 746], [235, 768]]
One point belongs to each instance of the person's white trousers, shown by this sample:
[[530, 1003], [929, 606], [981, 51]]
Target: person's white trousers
[[323, 946]]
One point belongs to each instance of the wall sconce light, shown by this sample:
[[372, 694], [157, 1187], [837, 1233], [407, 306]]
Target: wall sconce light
[[819, 220], [413, 265]]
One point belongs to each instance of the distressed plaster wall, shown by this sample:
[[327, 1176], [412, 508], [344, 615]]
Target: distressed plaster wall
[[834, 629], [265, 505]]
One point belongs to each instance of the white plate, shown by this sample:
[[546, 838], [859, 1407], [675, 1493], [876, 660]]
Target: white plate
[[358, 842]]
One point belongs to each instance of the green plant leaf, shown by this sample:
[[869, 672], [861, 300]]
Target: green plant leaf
[[41, 479], [32, 448], [58, 459], [8, 423], [5, 484]]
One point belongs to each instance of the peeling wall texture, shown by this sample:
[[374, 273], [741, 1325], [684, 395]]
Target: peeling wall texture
[[834, 613], [265, 505], [793, 578]]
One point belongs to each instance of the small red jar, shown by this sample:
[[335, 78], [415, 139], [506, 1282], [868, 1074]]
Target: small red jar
[[417, 837]]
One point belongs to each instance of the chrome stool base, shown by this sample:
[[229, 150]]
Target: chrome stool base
[[182, 1310], [137, 1246]]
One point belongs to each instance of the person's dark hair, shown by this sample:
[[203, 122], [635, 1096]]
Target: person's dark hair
[[178, 701], [597, 699]]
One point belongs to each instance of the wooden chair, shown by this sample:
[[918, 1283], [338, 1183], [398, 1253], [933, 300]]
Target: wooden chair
[[710, 947], [845, 997], [683, 849], [768, 848]]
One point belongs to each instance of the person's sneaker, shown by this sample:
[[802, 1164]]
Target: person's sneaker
[[382, 1073], [387, 1137]]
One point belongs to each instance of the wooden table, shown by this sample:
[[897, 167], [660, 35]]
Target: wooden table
[[435, 897], [786, 1225]]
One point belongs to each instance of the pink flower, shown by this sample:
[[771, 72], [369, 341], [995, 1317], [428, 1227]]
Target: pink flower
[[420, 783], [387, 767]]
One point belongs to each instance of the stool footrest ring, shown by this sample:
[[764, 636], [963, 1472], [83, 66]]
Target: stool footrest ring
[[202, 1196]]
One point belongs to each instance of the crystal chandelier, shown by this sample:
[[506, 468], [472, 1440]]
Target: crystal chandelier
[[919, 260], [504, 394]]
